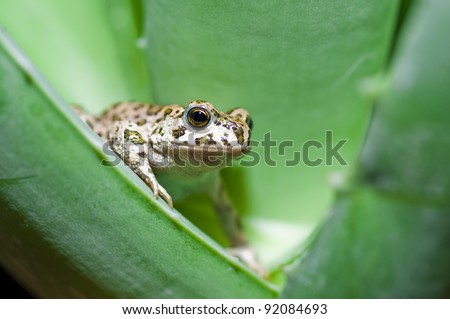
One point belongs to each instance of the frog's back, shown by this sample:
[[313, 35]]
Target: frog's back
[[136, 112], [131, 111]]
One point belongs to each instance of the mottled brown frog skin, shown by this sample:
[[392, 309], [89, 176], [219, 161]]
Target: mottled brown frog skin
[[183, 148]]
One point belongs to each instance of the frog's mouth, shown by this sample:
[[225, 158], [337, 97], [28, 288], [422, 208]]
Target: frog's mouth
[[200, 156], [213, 150]]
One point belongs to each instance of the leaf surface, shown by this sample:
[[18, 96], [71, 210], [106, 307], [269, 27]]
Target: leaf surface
[[388, 234]]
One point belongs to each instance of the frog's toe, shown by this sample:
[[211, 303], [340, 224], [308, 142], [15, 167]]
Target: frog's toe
[[154, 187], [159, 190], [248, 257], [155, 192], [164, 194]]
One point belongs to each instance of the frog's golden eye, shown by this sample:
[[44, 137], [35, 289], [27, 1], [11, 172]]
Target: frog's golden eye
[[198, 117]]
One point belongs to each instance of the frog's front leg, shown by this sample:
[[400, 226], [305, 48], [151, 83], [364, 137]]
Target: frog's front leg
[[130, 142]]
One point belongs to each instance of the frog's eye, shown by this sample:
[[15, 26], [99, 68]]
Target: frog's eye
[[198, 117]]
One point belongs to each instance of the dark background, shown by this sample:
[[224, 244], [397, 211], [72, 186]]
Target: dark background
[[10, 288]]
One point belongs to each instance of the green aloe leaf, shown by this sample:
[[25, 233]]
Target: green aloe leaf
[[388, 234], [87, 49]]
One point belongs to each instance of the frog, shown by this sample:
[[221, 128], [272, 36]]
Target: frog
[[184, 148]]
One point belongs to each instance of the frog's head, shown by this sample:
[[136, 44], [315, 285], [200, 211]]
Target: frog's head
[[202, 129], [208, 126]]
